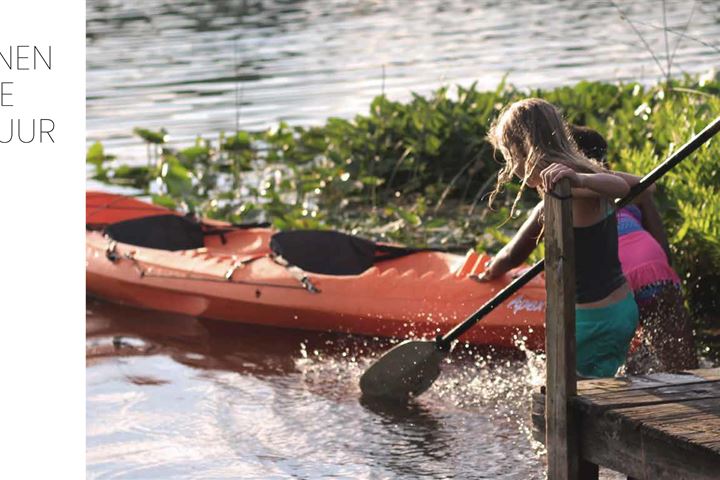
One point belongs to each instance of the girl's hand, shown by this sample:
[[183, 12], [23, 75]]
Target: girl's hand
[[552, 174], [487, 275]]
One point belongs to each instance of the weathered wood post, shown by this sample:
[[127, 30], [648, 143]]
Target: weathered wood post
[[561, 437]]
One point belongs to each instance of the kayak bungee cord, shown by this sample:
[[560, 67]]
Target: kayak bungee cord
[[112, 255]]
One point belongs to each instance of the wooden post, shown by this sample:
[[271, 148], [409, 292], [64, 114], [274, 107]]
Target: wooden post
[[561, 433]]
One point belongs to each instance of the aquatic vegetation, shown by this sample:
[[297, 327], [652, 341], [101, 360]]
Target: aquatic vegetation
[[419, 172]]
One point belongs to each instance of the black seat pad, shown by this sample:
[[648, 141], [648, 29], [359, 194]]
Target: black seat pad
[[164, 232], [332, 253]]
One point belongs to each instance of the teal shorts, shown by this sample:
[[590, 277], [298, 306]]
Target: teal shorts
[[603, 337]]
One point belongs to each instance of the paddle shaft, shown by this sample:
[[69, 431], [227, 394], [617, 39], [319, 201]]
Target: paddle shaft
[[694, 143]]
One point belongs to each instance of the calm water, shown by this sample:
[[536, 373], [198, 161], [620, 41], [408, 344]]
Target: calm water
[[200, 67], [173, 397]]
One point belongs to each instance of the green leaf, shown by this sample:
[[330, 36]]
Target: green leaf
[[195, 154], [149, 136], [95, 154], [164, 201], [176, 177], [409, 217], [238, 142], [371, 180]]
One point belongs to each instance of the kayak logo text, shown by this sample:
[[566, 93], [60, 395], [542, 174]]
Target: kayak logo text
[[521, 303]]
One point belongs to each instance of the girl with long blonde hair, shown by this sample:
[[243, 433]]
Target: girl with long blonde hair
[[539, 149]]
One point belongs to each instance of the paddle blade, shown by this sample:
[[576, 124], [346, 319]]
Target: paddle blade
[[406, 370]]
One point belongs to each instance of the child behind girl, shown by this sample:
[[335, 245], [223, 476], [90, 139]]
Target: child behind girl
[[537, 146]]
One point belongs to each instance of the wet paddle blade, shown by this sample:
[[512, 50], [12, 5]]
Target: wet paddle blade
[[405, 371]]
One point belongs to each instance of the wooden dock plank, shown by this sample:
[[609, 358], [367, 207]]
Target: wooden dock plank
[[644, 453], [600, 385], [650, 396], [663, 426], [696, 422]]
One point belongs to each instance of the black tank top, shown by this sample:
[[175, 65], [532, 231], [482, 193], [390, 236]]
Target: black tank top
[[597, 266]]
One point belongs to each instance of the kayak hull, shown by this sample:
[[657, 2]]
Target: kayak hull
[[233, 279]]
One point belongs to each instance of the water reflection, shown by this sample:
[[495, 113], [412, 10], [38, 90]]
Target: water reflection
[[414, 431], [117, 331]]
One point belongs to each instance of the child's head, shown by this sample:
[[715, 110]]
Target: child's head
[[590, 143], [532, 134]]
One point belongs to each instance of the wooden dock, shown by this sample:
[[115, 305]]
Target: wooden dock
[[662, 426]]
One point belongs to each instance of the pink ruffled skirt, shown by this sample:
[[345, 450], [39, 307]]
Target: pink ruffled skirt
[[643, 261]]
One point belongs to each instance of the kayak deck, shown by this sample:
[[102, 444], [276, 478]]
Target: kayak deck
[[234, 277]]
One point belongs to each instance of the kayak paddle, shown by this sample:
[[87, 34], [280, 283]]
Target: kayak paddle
[[411, 367]]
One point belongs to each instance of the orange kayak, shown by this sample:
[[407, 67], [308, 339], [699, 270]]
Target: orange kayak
[[147, 256]]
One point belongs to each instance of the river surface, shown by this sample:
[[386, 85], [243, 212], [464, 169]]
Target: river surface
[[198, 68], [176, 397]]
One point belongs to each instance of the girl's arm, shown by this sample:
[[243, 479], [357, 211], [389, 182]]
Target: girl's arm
[[652, 222], [605, 184], [633, 180], [585, 184], [518, 249]]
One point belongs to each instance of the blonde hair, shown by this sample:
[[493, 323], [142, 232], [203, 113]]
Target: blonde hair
[[532, 134]]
